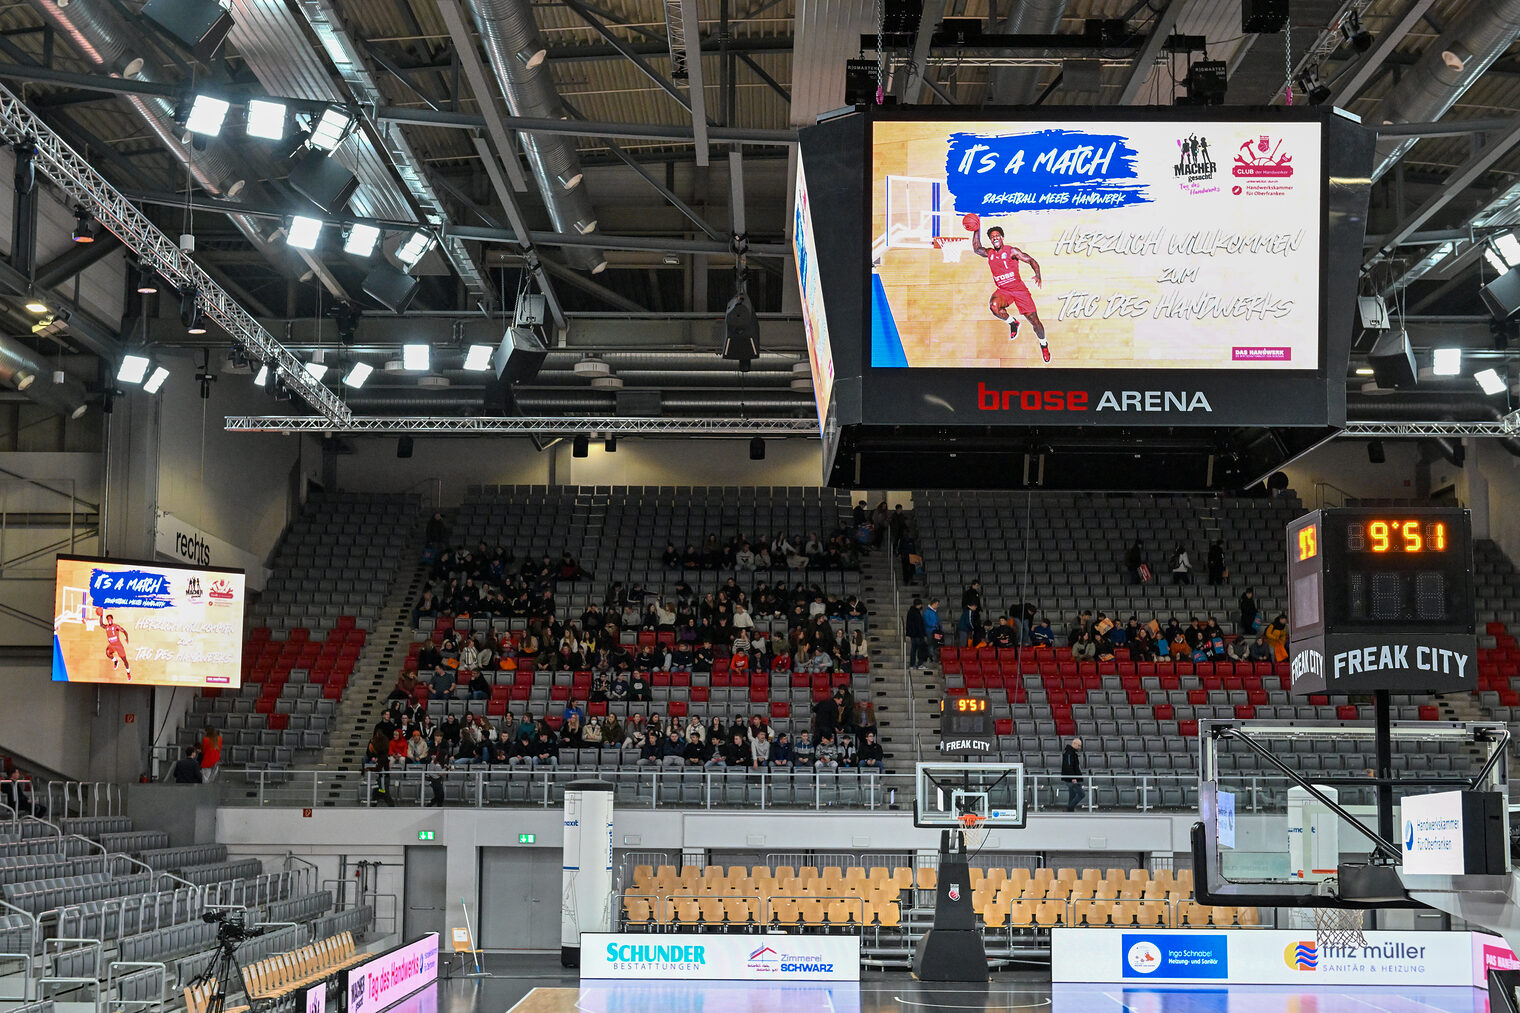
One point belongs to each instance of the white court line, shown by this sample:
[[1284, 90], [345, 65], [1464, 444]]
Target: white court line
[[941, 1005], [525, 998], [1107, 995], [1364, 1002]]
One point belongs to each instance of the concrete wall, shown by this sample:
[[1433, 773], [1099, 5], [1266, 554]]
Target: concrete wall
[[457, 463], [1343, 465], [27, 547], [91, 733], [1493, 477]]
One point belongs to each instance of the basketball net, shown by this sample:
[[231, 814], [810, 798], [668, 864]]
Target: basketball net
[[973, 831], [1336, 926], [950, 247]]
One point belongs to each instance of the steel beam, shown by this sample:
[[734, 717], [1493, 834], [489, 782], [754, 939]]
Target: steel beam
[[692, 31], [660, 80], [917, 69], [1387, 42], [75, 259], [1509, 425], [1145, 59], [76, 177], [526, 425], [1461, 179]]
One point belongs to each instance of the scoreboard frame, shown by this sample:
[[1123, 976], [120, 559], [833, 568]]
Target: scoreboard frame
[[1381, 599]]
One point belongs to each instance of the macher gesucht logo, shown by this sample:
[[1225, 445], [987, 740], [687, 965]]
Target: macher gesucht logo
[[1302, 955], [1194, 164], [193, 589], [1263, 159]]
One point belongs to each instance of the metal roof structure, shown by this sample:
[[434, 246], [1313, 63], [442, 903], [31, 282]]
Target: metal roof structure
[[583, 150]]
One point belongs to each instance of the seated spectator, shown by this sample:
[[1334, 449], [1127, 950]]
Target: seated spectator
[[803, 752], [760, 750], [695, 752], [638, 687], [781, 752], [480, 687], [396, 748], [859, 649], [1042, 635], [1261, 649], [574, 709], [612, 731], [440, 751], [570, 732], [1085, 648], [869, 756], [417, 749], [736, 752], [441, 685], [1141, 647], [406, 687], [429, 657], [828, 753], [1239, 649], [568, 568]]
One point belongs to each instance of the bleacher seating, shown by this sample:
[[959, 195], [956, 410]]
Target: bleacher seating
[[715, 898]]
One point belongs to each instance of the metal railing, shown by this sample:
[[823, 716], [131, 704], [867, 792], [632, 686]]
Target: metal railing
[[651, 787]]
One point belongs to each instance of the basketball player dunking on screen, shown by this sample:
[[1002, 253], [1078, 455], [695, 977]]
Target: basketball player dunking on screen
[[116, 641], [1004, 261]]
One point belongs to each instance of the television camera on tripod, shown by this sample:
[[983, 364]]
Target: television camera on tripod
[[231, 931]]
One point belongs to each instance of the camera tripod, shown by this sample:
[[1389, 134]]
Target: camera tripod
[[224, 965]]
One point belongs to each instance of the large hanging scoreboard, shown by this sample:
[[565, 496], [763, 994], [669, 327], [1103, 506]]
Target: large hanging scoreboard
[[1381, 598]]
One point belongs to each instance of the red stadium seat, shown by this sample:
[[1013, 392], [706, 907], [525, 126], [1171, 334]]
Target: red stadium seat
[[1187, 729], [1346, 712]]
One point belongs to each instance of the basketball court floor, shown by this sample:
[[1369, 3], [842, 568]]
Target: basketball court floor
[[537, 984]]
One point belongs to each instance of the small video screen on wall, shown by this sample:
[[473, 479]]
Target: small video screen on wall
[[1114, 245], [145, 623]]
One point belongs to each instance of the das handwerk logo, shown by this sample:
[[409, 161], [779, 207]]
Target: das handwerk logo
[[1263, 159], [1194, 164]]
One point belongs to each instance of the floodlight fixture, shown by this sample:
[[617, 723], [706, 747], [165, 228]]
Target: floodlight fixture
[[478, 358], [84, 225], [1446, 361], [1354, 33], [36, 306], [147, 280], [413, 247], [262, 376], [207, 114], [330, 128], [316, 370], [190, 312], [361, 240], [357, 374], [1490, 382], [156, 380], [416, 357], [266, 119], [134, 366], [304, 232]]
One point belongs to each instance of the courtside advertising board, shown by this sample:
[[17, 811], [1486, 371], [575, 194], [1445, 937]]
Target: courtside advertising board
[[713, 957], [147, 624], [375, 984], [1273, 957]]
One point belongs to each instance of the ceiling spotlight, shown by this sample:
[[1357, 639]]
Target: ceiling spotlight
[[147, 280], [416, 358], [478, 358], [207, 115], [1489, 381], [357, 374], [261, 377], [1366, 371], [1354, 33], [36, 306], [671, 260], [190, 312], [266, 119], [414, 246], [331, 127], [361, 240], [1310, 84], [316, 370], [304, 232], [133, 368], [84, 226], [1446, 361], [156, 380]]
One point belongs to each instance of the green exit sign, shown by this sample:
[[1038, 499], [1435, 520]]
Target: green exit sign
[[424, 835], [526, 838]]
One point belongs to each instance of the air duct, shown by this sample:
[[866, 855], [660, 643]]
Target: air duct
[[1015, 86], [508, 29], [1433, 85], [101, 36], [20, 369]]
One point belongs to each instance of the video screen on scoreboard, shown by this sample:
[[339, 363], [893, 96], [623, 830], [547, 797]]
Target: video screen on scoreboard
[[1173, 245], [814, 314], [146, 623]]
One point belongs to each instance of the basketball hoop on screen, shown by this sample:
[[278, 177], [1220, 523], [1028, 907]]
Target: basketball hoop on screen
[[951, 247]]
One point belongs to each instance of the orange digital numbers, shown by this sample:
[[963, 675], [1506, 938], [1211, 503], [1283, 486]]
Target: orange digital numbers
[[1377, 531], [1308, 542], [968, 705], [1438, 537]]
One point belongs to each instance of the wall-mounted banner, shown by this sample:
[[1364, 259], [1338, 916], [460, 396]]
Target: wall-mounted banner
[[709, 956], [185, 543], [1273, 957]]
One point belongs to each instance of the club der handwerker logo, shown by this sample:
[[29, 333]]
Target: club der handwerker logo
[[1302, 955], [955, 891], [1144, 957], [221, 590]]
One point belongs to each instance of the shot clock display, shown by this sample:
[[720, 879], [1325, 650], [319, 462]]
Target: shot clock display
[[966, 726], [1395, 579]]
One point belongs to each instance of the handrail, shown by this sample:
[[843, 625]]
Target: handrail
[[1319, 494], [71, 497], [142, 965]]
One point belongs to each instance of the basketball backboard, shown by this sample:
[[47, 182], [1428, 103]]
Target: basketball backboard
[[917, 209], [948, 791]]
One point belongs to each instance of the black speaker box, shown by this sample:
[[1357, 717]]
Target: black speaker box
[[1392, 360], [1502, 295], [404, 447], [391, 288], [519, 356], [200, 25], [323, 181]]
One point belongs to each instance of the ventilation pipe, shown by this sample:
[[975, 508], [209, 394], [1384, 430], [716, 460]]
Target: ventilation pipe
[[1433, 86], [101, 36], [1015, 86], [516, 52], [21, 370]]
